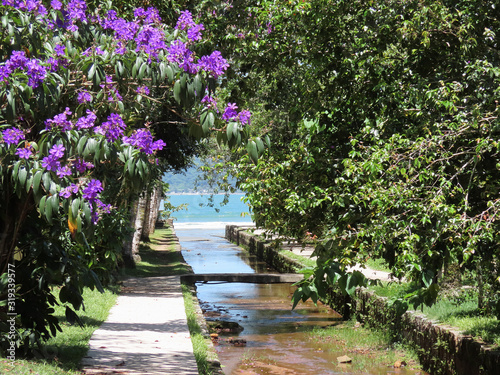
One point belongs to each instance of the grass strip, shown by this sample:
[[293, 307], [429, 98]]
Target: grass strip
[[203, 350], [61, 355]]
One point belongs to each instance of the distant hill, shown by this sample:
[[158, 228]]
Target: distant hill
[[186, 182]]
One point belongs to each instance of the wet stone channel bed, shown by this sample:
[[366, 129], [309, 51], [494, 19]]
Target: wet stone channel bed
[[254, 329]]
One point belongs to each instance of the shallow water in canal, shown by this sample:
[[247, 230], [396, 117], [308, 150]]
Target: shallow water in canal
[[275, 339]]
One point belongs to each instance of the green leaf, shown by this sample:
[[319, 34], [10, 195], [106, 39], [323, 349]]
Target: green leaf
[[91, 72], [252, 151], [36, 182], [177, 91]]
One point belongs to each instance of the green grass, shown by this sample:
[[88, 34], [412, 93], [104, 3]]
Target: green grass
[[304, 261], [467, 318], [63, 354], [378, 265], [159, 256], [462, 314], [368, 348], [203, 351]]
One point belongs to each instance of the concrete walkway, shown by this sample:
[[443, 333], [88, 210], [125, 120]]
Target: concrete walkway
[[146, 332]]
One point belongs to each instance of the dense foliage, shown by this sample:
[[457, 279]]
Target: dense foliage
[[83, 92], [384, 125]]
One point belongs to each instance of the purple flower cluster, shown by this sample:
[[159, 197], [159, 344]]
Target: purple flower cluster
[[86, 122], [76, 12], [180, 54], [210, 102], [143, 140], [92, 190], [69, 190], [34, 70], [60, 121], [113, 128], [148, 37], [149, 16], [25, 152], [34, 6], [142, 90], [213, 64], [52, 161], [185, 22], [150, 40], [12, 136], [231, 114], [84, 97], [82, 166]]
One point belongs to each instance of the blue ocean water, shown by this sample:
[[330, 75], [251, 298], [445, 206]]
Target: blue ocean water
[[199, 213]]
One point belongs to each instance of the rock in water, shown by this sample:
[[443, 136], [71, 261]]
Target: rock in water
[[344, 359]]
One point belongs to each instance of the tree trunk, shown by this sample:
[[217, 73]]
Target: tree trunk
[[151, 212], [131, 248]]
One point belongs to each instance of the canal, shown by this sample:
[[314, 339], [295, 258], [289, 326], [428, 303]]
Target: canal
[[258, 332]]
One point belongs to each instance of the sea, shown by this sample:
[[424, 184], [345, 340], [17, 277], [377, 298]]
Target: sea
[[199, 215]]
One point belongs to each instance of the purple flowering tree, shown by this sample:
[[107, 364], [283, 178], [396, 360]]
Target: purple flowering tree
[[80, 98]]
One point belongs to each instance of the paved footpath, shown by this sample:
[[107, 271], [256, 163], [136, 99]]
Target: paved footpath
[[146, 332]]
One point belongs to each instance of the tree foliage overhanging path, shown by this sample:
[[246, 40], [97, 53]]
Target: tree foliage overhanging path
[[95, 107], [384, 123]]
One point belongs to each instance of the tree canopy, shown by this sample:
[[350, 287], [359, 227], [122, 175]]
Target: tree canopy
[[383, 118]]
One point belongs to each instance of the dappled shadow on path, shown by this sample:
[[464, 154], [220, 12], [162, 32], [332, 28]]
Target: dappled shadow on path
[[145, 333]]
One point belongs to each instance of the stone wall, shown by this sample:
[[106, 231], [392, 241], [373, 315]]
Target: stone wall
[[442, 349]]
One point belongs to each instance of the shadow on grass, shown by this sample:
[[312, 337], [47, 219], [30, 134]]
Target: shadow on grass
[[160, 256]]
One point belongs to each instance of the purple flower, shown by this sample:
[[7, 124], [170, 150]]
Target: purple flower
[[12, 136], [151, 15], [4, 73], [53, 64], [120, 49], [57, 151], [81, 165], [67, 191], [24, 152], [142, 90], [59, 50], [123, 29], [84, 97], [56, 4], [111, 129], [36, 73], [86, 122], [92, 190], [143, 140], [214, 64], [17, 60], [51, 163], [210, 102], [230, 112], [194, 33], [60, 121], [76, 10], [63, 171], [180, 54], [244, 117], [150, 40], [185, 20], [104, 208], [34, 6]]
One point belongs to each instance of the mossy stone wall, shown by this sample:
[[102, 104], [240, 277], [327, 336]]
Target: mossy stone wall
[[442, 349]]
